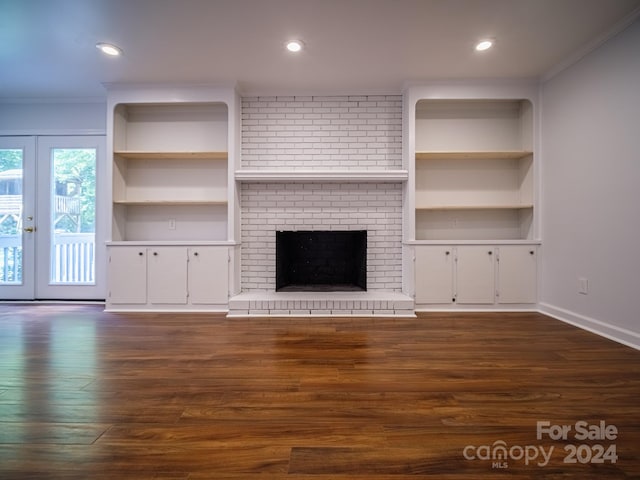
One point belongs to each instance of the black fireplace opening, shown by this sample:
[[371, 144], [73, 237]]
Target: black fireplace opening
[[321, 261]]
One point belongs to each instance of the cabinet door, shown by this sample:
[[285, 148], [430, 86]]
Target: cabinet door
[[517, 274], [475, 275], [127, 275], [167, 275], [434, 274], [208, 275]]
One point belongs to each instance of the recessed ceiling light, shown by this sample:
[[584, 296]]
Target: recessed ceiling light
[[109, 49], [295, 46], [484, 45]]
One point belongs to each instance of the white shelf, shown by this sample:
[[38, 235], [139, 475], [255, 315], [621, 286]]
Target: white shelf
[[170, 243], [455, 241], [278, 175], [169, 202], [478, 155], [475, 207], [477, 222], [162, 155]]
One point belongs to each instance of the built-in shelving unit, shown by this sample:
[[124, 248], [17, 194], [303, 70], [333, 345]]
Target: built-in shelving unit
[[170, 171], [470, 215], [473, 170], [174, 210]]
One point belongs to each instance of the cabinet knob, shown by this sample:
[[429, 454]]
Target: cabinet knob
[[155, 254], [531, 252], [447, 253], [140, 253], [490, 252], [195, 254]]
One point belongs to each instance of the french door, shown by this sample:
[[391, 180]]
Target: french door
[[51, 244]]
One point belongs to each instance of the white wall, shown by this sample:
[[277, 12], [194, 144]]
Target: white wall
[[591, 190], [52, 118]]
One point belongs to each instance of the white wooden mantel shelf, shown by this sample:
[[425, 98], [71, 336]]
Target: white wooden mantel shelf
[[276, 175]]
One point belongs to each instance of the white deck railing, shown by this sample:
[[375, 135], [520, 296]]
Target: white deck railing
[[10, 259], [72, 259]]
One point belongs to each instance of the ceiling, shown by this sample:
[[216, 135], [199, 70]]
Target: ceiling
[[47, 47]]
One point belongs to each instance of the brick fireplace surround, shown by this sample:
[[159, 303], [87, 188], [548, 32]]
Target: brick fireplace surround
[[347, 134]]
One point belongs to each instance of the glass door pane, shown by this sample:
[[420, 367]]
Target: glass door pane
[[11, 215], [73, 216], [17, 223]]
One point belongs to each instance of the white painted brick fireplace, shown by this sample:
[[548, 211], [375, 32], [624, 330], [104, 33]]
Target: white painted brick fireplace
[[321, 163], [374, 207]]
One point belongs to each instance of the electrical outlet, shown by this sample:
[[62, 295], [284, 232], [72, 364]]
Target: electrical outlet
[[172, 224], [583, 285]]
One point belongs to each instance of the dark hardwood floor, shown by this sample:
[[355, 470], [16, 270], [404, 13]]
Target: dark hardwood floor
[[90, 395]]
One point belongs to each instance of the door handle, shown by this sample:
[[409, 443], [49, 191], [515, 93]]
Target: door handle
[[29, 229]]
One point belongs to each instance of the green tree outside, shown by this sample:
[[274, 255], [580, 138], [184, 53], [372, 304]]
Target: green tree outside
[[69, 163], [10, 159], [80, 165]]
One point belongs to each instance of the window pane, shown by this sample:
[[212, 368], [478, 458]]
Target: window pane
[[11, 216], [73, 215]]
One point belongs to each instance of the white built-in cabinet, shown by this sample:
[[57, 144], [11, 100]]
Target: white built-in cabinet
[[470, 218], [467, 275], [173, 211], [168, 276], [127, 276], [475, 275], [434, 269], [517, 274]]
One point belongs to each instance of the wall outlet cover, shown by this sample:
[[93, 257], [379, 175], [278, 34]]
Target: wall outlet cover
[[583, 286]]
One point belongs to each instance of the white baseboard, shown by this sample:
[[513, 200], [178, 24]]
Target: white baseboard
[[617, 334]]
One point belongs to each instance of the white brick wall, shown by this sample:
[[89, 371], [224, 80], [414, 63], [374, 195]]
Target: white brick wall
[[322, 132], [375, 207], [345, 132]]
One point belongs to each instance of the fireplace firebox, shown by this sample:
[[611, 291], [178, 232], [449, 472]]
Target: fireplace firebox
[[321, 261]]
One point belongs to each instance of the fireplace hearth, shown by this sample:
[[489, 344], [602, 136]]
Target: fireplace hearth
[[321, 261]]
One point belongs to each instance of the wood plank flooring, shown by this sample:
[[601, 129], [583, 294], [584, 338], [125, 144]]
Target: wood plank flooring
[[90, 395]]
